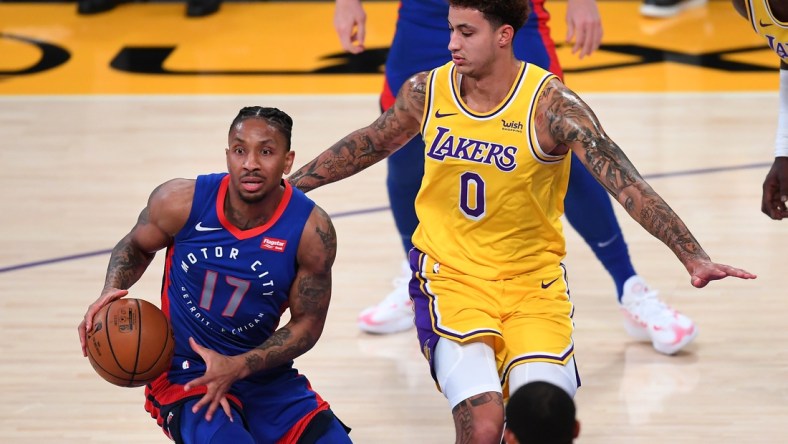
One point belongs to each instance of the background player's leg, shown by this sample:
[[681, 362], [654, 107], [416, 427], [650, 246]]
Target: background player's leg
[[589, 210], [405, 170]]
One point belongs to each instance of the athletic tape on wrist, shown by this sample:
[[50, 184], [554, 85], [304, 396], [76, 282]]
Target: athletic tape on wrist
[[781, 142]]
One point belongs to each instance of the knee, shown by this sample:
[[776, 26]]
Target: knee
[[480, 432], [487, 432], [479, 419]]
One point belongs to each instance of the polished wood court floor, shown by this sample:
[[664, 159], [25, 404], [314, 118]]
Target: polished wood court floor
[[83, 144]]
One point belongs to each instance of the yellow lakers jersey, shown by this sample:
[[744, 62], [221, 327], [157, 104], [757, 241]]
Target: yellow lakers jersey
[[765, 24], [491, 199]]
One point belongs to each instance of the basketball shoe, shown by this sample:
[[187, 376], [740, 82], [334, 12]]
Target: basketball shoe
[[394, 313], [667, 8], [649, 319]]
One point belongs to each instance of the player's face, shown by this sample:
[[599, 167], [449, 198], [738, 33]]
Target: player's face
[[472, 42], [257, 158]]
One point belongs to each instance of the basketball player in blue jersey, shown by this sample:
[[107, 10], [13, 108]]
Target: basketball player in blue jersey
[[769, 19], [490, 293], [241, 248], [420, 44]]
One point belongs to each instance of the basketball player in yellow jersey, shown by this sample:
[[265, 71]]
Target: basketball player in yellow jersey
[[490, 293], [480, 164], [769, 19]]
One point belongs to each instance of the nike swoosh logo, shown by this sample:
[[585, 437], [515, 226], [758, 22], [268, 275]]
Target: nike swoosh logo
[[763, 25], [439, 115], [199, 227], [607, 242], [549, 283]]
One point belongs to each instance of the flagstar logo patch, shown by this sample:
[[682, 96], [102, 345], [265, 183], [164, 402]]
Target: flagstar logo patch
[[272, 244]]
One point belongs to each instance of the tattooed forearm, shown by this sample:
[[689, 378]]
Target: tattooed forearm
[[306, 178], [656, 216], [369, 145], [609, 164], [281, 348], [571, 122], [127, 263], [345, 158]]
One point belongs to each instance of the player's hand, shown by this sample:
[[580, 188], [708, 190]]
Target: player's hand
[[350, 22], [107, 295], [705, 271], [775, 190], [220, 373], [584, 26]]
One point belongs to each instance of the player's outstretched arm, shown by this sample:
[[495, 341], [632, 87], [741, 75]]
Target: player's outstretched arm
[[310, 294], [165, 214], [368, 145], [568, 122], [350, 23]]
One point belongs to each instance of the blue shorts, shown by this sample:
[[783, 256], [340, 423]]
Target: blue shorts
[[277, 410]]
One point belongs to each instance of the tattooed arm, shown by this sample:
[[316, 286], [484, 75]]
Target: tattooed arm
[[167, 211], [310, 294], [566, 122], [309, 298], [368, 145]]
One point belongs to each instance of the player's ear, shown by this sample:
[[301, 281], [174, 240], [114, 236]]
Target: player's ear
[[577, 428], [508, 437], [289, 158], [505, 35]]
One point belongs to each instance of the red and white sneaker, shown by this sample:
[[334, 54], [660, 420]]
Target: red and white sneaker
[[394, 313], [649, 319]]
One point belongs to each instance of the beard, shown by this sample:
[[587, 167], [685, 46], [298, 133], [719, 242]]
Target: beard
[[252, 198]]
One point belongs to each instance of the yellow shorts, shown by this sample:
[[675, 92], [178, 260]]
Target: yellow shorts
[[529, 316]]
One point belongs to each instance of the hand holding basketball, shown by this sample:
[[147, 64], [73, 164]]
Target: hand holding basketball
[[107, 296], [130, 342]]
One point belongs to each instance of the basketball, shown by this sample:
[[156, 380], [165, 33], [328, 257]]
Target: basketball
[[131, 342]]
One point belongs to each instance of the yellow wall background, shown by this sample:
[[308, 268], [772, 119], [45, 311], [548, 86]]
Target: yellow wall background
[[297, 38]]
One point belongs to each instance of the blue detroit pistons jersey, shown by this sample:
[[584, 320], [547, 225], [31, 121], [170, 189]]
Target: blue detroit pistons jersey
[[228, 287]]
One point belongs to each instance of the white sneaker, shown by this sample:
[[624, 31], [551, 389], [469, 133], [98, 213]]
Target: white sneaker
[[394, 313], [649, 319]]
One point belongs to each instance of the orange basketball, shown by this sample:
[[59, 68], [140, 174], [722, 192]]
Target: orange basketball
[[131, 342]]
